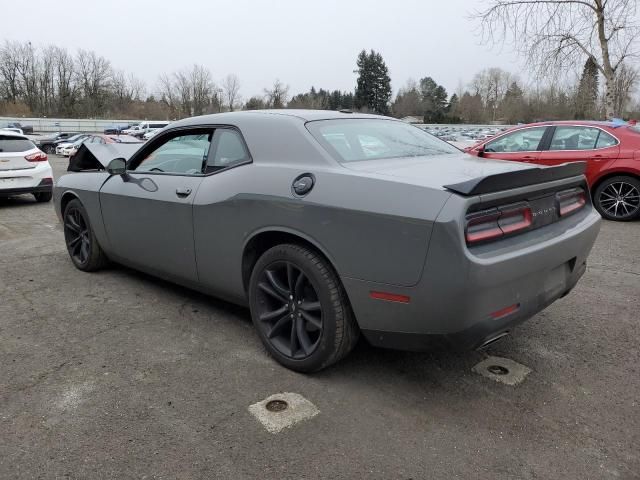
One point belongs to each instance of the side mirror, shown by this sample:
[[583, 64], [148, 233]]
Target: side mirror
[[480, 151], [117, 166]]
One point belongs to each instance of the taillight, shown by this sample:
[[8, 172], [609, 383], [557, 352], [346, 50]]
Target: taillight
[[497, 222], [571, 201], [37, 157]]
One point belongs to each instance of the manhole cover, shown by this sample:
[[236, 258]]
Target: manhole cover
[[276, 405], [498, 369]]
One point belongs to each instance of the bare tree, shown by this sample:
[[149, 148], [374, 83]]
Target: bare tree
[[231, 87], [277, 95], [202, 88], [625, 81], [93, 73], [556, 34], [9, 66], [492, 85], [66, 87]]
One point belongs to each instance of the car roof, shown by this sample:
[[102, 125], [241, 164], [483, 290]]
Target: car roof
[[585, 123], [238, 118], [11, 133]]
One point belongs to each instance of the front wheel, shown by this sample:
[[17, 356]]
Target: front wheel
[[618, 198], [300, 309], [82, 245]]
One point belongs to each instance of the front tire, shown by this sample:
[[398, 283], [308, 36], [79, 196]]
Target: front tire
[[300, 309], [82, 245], [618, 198]]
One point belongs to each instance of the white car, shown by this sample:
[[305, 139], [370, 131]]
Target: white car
[[12, 129], [133, 131], [71, 148], [150, 134], [24, 168], [60, 147]]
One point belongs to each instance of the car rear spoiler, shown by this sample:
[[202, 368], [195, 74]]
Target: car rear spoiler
[[519, 178], [96, 156]]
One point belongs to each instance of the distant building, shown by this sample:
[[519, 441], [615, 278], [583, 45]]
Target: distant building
[[412, 119]]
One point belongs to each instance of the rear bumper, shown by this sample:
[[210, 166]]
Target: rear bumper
[[460, 297], [18, 191]]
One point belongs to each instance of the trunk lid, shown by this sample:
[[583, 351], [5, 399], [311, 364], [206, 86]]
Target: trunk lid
[[438, 170]]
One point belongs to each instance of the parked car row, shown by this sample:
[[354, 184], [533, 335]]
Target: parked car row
[[70, 148], [17, 127], [138, 130]]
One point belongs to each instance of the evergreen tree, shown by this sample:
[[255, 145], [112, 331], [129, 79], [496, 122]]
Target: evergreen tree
[[587, 94], [434, 100], [373, 87]]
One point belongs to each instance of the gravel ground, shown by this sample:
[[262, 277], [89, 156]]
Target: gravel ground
[[119, 375]]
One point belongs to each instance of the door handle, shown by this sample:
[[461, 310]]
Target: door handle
[[183, 192]]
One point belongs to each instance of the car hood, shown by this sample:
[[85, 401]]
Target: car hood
[[436, 171]]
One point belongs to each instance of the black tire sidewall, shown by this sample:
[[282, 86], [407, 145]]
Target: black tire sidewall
[[605, 184], [324, 284], [94, 259]]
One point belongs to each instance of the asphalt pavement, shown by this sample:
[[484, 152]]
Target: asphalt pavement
[[119, 375]]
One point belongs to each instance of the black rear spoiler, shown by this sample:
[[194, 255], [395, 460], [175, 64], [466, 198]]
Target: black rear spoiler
[[519, 178]]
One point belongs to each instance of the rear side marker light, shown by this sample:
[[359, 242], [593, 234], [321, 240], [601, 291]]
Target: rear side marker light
[[390, 297], [571, 201], [497, 222], [505, 311], [37, 157]]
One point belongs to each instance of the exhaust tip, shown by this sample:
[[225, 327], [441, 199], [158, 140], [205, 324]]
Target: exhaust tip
[[493, 340]]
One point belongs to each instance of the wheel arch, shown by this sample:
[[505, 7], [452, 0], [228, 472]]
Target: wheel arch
[[65, 199], [610, 174], [263, 239]]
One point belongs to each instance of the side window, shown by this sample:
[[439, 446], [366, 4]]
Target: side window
[[184, 154], [228, 149], [605, 140], [574, 138], [524, 140]]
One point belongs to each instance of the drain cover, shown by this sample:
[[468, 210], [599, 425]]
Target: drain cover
[[283, 410], [276, 405], [503, 370], [497, 370]]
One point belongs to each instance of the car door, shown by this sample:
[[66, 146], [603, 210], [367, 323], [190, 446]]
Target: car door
[[522, 145], [571, 143], [148, 211]]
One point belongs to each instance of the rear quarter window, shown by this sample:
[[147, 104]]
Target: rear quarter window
[[12, 144]]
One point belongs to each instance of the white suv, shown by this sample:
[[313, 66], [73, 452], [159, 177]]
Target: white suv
[[24, 168]]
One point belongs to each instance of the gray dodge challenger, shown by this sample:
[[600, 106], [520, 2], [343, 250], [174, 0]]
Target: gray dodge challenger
[[331, 224]]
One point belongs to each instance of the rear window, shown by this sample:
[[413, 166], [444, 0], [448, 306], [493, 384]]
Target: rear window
[[13, 144], [353, 140]]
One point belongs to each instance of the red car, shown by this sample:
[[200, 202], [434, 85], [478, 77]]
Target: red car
[[611, 150]]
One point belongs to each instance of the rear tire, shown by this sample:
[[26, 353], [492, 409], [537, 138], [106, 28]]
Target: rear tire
[[43, 197], [618, 198], [82, 245], [300, 309]]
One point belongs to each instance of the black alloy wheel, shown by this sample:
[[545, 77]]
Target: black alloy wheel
[[83, 248], [618, 198], [76, 233], [300, 309], [289, 312]]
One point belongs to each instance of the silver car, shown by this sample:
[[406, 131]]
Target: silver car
[[331, 224]]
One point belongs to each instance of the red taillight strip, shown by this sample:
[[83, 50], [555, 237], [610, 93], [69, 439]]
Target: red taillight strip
[[497, 222], [577, 200], [505, 311], [36, 157], [390, 297]]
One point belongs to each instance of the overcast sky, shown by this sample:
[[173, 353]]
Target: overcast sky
[[301, 42]]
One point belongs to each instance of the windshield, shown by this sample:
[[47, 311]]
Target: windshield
[[353, 140]]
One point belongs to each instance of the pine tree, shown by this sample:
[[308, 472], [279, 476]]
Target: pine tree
[[434, 100], [587, 94], [373, 87]]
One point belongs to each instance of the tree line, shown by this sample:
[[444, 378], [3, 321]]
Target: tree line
[[54, 82]]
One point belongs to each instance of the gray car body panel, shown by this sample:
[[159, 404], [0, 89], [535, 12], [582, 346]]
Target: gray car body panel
[[383, 225]]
